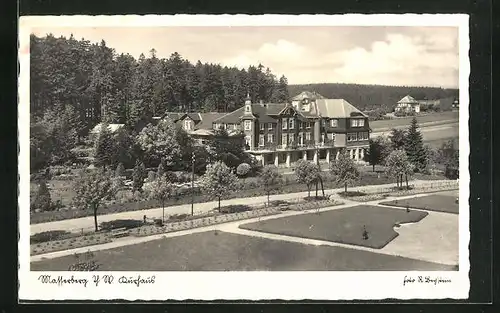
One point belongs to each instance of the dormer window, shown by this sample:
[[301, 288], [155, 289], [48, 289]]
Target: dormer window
[[334, 123]]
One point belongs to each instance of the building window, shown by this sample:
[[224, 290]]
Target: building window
[[270, 126], [248, 108], [261, 126], [308, 136], [291, 123], [270, 138], [187, 124], [357, 122], [331, 136], [363, 136], [308, 125], [283, 123], [351, 137], [248, 125], [323, 138], [248, 141], [301, 138], [290, 139], [284, 139], [261, 140], [334, 123]]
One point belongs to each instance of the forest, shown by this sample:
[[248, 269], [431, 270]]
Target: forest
[[370, 97], [96, 83]]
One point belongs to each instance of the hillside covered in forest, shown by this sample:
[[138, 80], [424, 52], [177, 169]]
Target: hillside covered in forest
[[368, 97]]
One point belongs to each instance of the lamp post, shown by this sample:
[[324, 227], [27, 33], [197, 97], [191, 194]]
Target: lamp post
[[192, 184]]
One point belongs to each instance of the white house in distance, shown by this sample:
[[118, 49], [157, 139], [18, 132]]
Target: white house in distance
[[408, 105]]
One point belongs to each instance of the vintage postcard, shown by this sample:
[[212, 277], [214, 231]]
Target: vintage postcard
[[238, 157]]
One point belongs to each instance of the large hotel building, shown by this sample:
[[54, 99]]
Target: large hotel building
[[310, 128]]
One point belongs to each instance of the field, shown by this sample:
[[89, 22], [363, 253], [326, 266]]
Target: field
[[438, 203], [343, 225], [434, 117], [219, 251]]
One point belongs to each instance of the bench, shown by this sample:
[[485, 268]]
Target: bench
[[119, 232]]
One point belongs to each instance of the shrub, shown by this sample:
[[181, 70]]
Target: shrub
[[236, 208], [316, 198], [352, 194], [243, 169], [151, 176], [50, 235], [178, 217], [42, 200], [120, 170], [116, 224]]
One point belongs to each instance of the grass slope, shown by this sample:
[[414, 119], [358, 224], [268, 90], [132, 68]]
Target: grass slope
[[231, 252], [343, 225]]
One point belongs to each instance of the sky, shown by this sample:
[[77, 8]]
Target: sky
[[403, 56]]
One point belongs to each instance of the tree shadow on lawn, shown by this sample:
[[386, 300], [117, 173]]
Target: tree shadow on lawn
[[438, 203], [343, 225]]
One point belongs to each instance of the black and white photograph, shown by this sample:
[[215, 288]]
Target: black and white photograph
[[277, 152]]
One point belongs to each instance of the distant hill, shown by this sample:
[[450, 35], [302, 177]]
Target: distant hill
[[369, 97]]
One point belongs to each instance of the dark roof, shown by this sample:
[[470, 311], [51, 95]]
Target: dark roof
[[261, 112], [207, 119]]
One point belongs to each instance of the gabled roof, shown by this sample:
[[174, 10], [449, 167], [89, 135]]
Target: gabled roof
[[175, 116], [307, 95], [408, 99], [336, 108]]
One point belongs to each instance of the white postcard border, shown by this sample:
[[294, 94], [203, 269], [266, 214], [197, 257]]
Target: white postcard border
[[297, 285]]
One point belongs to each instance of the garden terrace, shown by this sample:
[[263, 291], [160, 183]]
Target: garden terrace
[[342, 225]]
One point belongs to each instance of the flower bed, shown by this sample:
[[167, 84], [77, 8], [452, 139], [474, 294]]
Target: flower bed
[[200, 222], [367, 198], [313, 205], [66, 244]]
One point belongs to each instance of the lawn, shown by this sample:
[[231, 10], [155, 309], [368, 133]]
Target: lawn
[[438, 202], [210, 251], [342, 225], [434, 117]]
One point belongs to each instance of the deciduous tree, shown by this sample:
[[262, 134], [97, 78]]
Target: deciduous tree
[[159, 143], [270, 179], [398, 166], [91, 190], [307, 173], [160, 189], [219, 181], [344, 170]]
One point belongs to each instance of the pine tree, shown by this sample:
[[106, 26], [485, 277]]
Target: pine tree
[[104, 147], [414, 147], [138, 175]]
